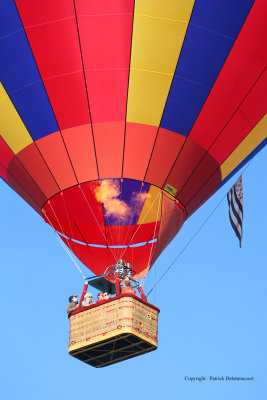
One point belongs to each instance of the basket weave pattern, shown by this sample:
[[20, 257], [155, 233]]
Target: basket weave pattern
[[111, 318]]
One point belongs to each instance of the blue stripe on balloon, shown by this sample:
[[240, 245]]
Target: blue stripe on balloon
[[245, 161], [211, 33], [20, 76]]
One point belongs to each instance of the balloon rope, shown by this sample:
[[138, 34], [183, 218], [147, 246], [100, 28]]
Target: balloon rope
[[192, 238], [64, 246], [119, 231], [149, 259], [106, 221], [90, 208], [141, 223], [58, 223], [66, 211], [136, 207], [176, 258], [68, 252]]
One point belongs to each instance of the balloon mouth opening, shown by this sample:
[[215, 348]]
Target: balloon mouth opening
[[85, 218]]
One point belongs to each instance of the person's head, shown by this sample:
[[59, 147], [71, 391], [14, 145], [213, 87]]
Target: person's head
[[88, 296], [100, 296], [73, 299], [127, 283], [106, 296]]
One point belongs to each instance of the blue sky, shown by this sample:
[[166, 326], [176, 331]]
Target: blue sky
[[213, 309]]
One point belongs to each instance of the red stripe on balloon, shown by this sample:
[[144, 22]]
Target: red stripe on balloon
[[14, 173], [251, 111], [54, 152], [32, 160], [244, 65], [105, 31], [131, 234], [7, 156], [80, 147], [109, 146], [79, 214], [172, 219], [167, 145], [54, 42], [139, 141], [96, 7]]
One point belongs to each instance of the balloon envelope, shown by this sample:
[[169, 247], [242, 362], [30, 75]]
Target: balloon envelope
[[118, 119]]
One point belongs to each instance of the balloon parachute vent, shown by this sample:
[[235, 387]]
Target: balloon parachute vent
[[113, 331]]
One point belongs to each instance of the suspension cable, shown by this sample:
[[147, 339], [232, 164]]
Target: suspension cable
[[136, 208], [69, 253], [59, 224], [143, 219], [154, 234], [66, 211], [192, 238], [90, 208], [64, 246]]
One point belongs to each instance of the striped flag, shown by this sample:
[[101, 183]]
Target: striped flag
[[235, 201]]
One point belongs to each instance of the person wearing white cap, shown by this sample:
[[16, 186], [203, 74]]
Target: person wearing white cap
[[88, 300]]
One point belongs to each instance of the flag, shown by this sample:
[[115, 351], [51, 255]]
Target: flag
[[235, 201]]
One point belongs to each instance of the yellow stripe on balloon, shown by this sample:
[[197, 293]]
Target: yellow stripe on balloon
[[151, 211], [158, 33], [252, 140], [12, 128]]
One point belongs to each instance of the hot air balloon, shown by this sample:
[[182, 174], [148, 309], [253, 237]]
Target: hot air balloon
[[119, 119]]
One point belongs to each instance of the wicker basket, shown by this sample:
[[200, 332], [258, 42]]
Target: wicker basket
[[115, 330]]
